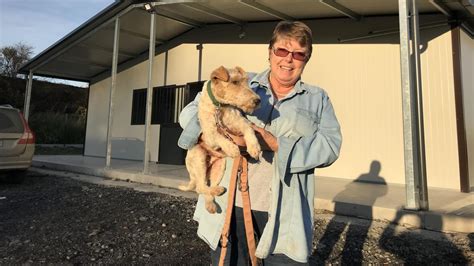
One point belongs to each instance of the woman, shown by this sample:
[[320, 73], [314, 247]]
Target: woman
[[302, 119]]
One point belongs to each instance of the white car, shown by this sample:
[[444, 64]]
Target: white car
[[17, 142]]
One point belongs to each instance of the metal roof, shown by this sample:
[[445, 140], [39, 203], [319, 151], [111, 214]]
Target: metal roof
[[86, 53]]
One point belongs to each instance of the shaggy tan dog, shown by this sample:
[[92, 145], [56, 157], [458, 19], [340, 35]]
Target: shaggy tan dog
[[224, 97]]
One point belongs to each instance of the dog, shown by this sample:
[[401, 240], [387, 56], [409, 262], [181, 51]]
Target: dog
[[224, 99]]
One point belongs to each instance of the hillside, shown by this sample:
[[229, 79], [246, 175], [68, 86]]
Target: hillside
[[45, 96], [57, 111]]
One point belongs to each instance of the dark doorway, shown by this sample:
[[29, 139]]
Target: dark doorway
[[169, 101]]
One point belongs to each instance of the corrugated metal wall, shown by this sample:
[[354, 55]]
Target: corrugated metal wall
[[363, 81], [442, 161]]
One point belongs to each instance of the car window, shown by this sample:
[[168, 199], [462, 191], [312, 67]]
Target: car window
[[10, 121]]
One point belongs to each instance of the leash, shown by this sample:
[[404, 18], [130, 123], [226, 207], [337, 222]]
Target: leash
[[239, 174]]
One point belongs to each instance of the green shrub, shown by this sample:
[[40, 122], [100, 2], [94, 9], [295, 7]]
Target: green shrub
[[58, 128]]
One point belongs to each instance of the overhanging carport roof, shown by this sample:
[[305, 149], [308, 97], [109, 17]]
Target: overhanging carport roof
[[86, 52]]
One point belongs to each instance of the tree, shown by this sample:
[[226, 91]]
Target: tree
[[12, 57]]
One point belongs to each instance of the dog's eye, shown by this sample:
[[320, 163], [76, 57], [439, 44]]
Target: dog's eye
[[235, 82]]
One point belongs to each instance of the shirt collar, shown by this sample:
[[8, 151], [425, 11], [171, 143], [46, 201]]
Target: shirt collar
[[262, 80]]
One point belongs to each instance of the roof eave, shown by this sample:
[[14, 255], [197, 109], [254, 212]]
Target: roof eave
[[87, 26]]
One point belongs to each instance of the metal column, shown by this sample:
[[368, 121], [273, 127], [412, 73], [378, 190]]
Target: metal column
[[26, 105], [199, 48], [415, 173], [112, 91], [149, 95], [165, 78]]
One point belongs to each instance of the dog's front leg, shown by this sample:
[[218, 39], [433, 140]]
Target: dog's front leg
[[214, 139], [238, 123], [253, 147]]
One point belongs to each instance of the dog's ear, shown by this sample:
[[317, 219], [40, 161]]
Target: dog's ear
[[220, 74], [241, 71]]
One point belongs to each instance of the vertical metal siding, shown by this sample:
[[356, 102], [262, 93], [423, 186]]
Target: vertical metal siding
[[363, 81], [442, 158]]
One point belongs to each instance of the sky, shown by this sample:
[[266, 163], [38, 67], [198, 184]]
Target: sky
[[41, 23]]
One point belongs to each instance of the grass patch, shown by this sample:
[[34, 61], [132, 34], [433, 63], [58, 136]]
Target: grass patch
[[58, 150], [58, 128]]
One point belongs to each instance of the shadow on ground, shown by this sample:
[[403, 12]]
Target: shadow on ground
[[353, 241]]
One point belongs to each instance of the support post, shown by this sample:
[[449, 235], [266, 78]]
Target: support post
[[165, 78], [415, 174], [26, 105], [149, 95], [112, 92], [199, 48]]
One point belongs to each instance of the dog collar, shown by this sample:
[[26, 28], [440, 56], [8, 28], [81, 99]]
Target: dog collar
[[213, 99]]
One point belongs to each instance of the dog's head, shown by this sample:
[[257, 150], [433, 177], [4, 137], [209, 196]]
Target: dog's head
[[230, 86]]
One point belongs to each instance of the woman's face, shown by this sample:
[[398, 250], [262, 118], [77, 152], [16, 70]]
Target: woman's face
[[285, 71]]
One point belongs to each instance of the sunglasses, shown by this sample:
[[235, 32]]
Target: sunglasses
[[282, 52]]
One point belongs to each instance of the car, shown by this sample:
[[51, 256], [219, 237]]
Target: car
[[17, 143]]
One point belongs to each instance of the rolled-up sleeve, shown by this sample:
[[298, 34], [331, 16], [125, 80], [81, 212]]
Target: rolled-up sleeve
[[319, 150], [189, 112], [188, 120]]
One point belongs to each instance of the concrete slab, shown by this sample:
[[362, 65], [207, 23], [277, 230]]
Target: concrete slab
[[128, 170], [449, 210]]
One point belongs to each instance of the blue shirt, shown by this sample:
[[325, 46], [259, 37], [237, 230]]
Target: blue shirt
[[308, 136]]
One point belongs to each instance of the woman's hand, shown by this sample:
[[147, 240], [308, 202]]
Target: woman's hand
[[267, 141]]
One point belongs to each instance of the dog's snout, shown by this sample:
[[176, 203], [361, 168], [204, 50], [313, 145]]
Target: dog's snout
[[257, 101]]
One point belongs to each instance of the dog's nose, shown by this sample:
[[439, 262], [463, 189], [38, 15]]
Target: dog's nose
[[256, 101]]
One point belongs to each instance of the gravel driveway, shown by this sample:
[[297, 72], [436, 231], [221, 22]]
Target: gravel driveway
[[60, 220]]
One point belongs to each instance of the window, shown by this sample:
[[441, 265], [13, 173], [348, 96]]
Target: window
[[138, 107], [167, 103], [10, 121], [164, 103]]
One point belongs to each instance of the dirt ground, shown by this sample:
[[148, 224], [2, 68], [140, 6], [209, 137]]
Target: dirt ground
[[59, 220]]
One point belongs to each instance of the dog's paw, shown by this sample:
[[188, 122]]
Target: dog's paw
[[211, 207], [231, 150], [254, 150], [217, 190]]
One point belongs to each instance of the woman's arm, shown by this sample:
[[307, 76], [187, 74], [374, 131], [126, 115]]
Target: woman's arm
[[189, 112], [188, 120], [309, 152]]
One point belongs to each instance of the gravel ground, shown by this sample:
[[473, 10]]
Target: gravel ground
[[59, 220]]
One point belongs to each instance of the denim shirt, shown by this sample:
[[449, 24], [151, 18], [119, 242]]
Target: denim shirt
[[308, 136]]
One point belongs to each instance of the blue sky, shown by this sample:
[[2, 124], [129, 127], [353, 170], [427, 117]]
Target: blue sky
[[41, 23]]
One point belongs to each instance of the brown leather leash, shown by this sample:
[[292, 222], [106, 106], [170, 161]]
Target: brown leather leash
[[239, 174]]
